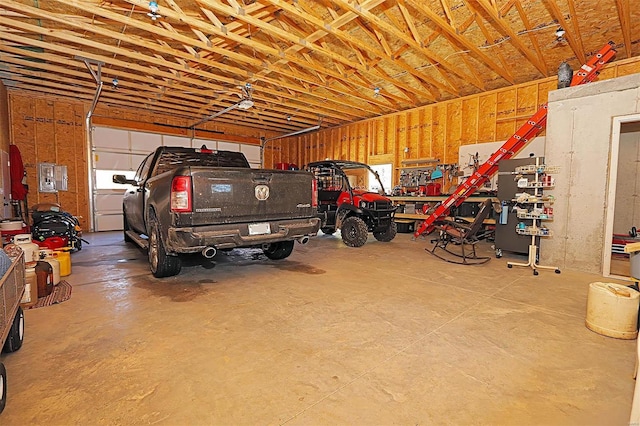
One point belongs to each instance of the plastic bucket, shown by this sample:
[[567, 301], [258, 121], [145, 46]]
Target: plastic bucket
[[64, 257], [612, 310]]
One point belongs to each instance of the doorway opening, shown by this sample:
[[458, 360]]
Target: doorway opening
[[622, 224]]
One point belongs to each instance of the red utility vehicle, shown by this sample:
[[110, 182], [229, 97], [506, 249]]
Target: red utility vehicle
[[345, 202]]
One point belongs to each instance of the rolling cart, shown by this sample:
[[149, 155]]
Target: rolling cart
[[11, 316]]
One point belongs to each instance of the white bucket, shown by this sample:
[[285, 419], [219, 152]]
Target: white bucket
[[612, 310]]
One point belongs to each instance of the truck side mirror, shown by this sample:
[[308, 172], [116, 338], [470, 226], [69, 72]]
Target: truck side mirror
[[122, 179]]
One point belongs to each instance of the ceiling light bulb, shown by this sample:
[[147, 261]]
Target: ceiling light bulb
[[153, 6], [560, 32], [376, 91], [288, 118]]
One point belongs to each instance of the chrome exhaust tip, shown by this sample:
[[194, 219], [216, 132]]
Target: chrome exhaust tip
[[209, 252], [303, 240]]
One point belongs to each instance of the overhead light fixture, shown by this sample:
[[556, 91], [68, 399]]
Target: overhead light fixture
[[245, 104], [560, 32], [376, 92], [153, 10], [115, 83], [288, 117]]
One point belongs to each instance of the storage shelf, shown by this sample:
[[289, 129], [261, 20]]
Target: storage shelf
[[535, 216], [420, 161], [538, 185], [541, 169], [530, 230]]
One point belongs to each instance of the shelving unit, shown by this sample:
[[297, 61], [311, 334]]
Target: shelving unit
[[416, 176], [534, 207]]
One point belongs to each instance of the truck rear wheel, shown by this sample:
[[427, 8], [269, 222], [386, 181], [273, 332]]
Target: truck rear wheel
[[388, 234], [278, 251], [354, 231], [161, 264]]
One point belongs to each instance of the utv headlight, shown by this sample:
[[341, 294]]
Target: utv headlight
[[364, 205]]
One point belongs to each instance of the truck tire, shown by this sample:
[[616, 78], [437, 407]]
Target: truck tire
[[354, 232], [127, 238], [16, 333], [278, 251], [328, 231], [161, 264], [388, 234]]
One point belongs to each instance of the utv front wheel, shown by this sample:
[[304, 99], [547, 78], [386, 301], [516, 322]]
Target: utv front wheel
[[354, 232], [278, 251], [388, 234], [161, 264]]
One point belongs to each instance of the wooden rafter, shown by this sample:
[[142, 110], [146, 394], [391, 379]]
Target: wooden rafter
[[624, 15], [382, 25], [243, 74], [504, 27], [304, 58], [574, 42], [461, 40]]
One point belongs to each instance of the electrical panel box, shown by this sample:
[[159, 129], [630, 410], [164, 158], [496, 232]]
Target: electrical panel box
[[52, 177]]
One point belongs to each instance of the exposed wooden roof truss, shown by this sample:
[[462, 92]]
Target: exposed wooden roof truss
[[329, 61]]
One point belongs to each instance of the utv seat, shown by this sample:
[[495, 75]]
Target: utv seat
[[328, 197]]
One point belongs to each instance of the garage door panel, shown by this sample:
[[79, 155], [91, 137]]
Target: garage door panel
[[104, 137], [113, 161], [109, 202], [252, 152], [145, 142], [226, 146], [121, 151], [109, 222], [170, 140]]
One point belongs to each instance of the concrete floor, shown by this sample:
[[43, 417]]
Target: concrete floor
[[383, 334]]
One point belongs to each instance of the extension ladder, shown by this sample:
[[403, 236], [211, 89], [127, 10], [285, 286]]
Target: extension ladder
[[534, 125]]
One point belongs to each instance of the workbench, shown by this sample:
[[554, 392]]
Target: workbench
[[408, 222]]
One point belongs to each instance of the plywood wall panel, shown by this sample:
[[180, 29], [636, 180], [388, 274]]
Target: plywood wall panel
[[425, 148], [453, 137], [47, 130], [627, 68], [469, 121], [487, 117], [439, 132], [414, 122]]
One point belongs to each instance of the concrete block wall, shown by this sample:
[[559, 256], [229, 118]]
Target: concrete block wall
[[579, 140]]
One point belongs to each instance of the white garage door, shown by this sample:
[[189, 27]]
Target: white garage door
[[117, 151]]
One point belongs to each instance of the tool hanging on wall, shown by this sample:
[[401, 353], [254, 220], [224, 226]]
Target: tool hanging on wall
[[587, 73]]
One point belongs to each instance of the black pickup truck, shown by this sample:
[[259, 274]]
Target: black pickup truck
[[190, 200]]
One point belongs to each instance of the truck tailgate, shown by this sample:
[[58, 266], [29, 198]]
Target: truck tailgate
[[248, 195]]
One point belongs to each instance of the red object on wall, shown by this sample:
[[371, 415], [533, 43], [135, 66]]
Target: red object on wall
[[286, 166], [16, 171]]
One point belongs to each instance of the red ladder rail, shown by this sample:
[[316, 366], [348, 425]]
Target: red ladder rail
[[587, 73]]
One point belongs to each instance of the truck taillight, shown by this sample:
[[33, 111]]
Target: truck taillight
[[181, 199], [314, 192]]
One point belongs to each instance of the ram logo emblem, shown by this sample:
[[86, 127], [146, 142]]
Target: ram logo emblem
[[262, 192]]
